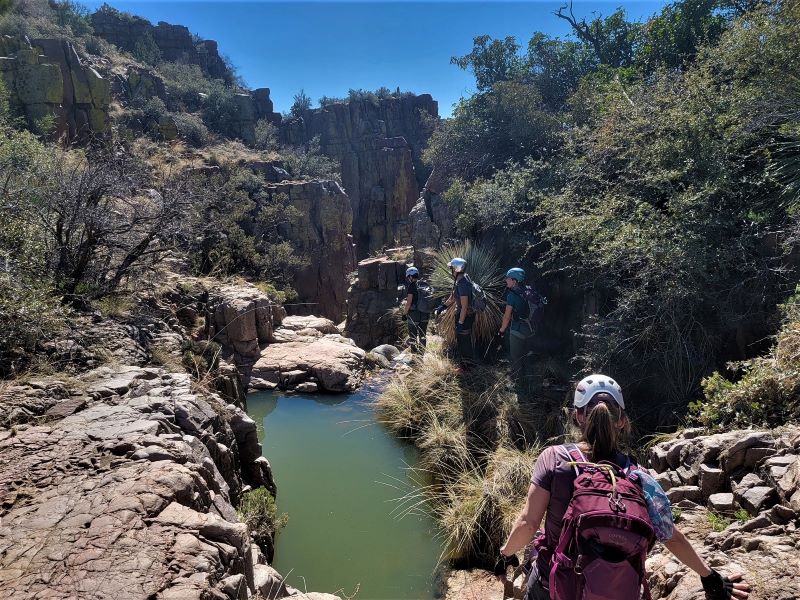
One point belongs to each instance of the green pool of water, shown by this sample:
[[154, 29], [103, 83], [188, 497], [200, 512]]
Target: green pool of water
[[335, 467]]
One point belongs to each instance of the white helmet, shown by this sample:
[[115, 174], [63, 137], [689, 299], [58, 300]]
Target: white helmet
[[595, 384], [412, 272], [457, 264]]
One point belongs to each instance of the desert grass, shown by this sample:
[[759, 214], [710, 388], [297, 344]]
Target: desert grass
[[473, 473]]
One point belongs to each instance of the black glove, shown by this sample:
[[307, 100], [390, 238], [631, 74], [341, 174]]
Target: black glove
[[459, 326], [716, 586], [498, 339], [440, 309], [502, 564], [403, 316]]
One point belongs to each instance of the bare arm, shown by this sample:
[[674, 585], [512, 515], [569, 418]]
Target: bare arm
[[506, 318], [528, 520], [407, 307], [464, 307], [685, 552]]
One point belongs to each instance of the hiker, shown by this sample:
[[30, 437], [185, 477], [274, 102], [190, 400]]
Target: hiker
[[462, 297], [416, 309], [521, 304], [627, 505]]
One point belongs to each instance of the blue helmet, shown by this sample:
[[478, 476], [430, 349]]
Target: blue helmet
[[516, 274], [457, 264], [412, 272]]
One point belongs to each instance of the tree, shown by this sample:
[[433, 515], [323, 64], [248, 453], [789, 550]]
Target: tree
[[491, 61], [302, 102], [614, 39]]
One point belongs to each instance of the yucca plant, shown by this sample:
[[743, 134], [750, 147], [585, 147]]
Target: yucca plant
[[483, 268]]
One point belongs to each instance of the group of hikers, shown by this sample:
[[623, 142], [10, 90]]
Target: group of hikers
[[523, 303], [602, 512]]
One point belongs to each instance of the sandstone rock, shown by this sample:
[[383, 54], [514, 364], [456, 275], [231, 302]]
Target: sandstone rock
[[756, 499], [307, 387], [269, 583], [372, 295], [234, 587], [322, 325], [734, 456], [711, 480], [336, 366], [685, 492], [241, 317], [388, 351], [722, 503]]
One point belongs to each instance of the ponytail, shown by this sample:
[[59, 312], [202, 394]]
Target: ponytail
[[602, 431]]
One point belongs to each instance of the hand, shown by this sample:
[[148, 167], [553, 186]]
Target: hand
[[440, 309], [403, 316], [502, 564], [718, 587], [459, 326]]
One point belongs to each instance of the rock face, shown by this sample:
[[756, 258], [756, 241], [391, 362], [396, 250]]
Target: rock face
[[370, 298], [173, 41], [46, 78], [320, 234], [751, 470], [272, 350], [432, 220], [378, 146], [128, 493]]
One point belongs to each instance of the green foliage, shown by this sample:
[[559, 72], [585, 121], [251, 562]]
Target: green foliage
[[200, 358], [4, 6], [767, 389], [146, 50], [192, 129], [507, 123], [301, 102], [717, 521], [309, 163], [240, 230], [492, 61], [266, 136], [257, 509], [185, 84]]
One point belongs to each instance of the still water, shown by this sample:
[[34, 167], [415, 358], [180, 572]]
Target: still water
[[335, 469]]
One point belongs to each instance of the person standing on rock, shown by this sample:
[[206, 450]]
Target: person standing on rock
[[416, 310], [522, 302], [465, 317], [589, 557]]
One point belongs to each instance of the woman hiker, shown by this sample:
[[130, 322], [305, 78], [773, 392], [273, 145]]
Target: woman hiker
[[599, 411], [465, 316], [516, 318], [416, 319]]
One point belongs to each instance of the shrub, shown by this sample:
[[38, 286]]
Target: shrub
[[257, 510], [310, 163], [219, 110], [191, 128], [146, 50], [484, 269], [185, 84], [266, 136]]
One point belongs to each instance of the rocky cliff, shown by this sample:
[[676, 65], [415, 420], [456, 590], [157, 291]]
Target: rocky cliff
[[46, 78], [378, 145], [320, 235], [174, 42], [371, 297]]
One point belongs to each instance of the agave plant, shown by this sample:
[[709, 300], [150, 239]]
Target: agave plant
[[483, 268]]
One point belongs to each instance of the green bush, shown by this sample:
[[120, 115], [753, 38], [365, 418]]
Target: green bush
[[185, 84], [301, 102], [266, 136], [192, 129], [309, 163], [146, 50], [257, 510]]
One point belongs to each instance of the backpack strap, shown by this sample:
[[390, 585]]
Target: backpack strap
[[577, 457]]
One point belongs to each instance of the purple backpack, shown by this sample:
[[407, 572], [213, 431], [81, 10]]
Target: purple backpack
[[605, 536]]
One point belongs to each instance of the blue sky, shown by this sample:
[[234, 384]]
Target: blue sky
[[328, 47]]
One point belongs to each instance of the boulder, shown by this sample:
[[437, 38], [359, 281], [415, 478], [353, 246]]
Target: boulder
[[684, 492], [241, 317], [336, 366], [758, 498], [711, 480], [722, 503], [370, 298]]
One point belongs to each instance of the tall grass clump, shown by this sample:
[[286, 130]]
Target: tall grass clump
[[483, 268], [472, 477]]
